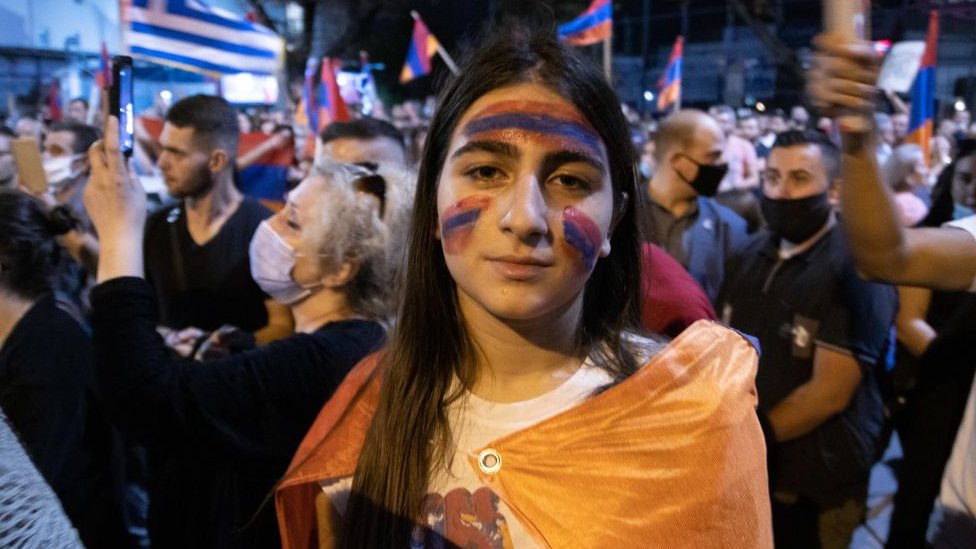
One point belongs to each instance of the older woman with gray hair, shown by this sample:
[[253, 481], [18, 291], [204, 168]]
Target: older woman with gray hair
[[906, 173], [220, 432]]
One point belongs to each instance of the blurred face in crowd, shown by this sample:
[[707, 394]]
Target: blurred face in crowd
[[777, 124], [525, 204], [964, 182], [795, 172], [899, 123], [350, 150], [7, 167], [77, 111], [725, 120], [749, 128], [184, 163], [962, 119], [29, 128], [947, 128], [799, 117], [62, 143]]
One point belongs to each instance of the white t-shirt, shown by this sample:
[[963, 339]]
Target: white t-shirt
[[459, 507], [953, 522]]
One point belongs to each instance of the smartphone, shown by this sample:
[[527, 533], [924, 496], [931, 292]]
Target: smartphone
[[30, 171], [120, 101]]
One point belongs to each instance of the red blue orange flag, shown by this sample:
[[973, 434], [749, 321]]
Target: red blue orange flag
[[592, 26], [423, 47], [669, 85], [309, 113], [332, 108], [103, 78], [922, 118]]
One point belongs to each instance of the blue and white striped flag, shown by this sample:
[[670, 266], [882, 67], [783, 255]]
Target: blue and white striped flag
[[197, 37]]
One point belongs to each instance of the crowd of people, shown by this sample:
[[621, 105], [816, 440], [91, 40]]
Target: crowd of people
[[516, 315]]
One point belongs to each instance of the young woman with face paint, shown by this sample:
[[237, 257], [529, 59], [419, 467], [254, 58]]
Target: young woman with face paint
[[515, 405], [220, 432]]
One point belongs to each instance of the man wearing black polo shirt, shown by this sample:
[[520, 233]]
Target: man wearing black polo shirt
[[823, 332]]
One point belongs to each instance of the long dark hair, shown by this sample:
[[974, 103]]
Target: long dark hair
[[430, 345]]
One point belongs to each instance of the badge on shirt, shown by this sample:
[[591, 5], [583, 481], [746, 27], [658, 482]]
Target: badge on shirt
[[803, 331]]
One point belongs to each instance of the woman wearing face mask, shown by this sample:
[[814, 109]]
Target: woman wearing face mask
[[329, 254], [515, 405]]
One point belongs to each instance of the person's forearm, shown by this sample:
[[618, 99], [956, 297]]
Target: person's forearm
[[869, 210], [801, 412], [915, 335]]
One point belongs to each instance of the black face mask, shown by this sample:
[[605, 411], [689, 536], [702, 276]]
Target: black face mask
[[797, 219], [708, 179]]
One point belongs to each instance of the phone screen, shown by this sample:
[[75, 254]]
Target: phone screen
[[122, 101]]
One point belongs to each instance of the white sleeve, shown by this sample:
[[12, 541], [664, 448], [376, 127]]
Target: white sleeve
[[967, 224]]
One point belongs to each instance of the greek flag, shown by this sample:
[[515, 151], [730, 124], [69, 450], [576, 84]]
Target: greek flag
[[194, 36]]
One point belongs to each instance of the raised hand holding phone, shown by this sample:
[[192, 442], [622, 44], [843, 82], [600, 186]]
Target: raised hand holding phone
[[116, 204]]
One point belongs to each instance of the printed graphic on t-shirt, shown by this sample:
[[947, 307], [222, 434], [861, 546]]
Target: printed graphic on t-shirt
[[463, 519]]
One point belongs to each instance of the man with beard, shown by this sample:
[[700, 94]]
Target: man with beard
[[823, 332], [684, 220], [197, 251]]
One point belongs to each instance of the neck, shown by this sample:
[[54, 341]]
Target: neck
[[517, 361], [12, 309], [323, 306], [663, 189], [215, 203]]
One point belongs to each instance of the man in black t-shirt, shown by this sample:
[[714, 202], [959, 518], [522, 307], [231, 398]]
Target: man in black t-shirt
[[823, 332], [197, 252]]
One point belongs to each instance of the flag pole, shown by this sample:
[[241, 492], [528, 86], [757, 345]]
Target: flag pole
[[608, 58], [440, 50]]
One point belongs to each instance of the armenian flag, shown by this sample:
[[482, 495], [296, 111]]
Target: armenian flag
[[332, 108], [922, 118], [423, 47], [592, 26], [103, 78], [669, 85]]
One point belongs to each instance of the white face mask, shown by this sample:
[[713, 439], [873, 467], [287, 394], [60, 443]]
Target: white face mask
[[59, 170], [272, 261]]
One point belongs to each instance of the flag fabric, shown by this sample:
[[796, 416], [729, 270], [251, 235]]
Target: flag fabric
[[309, 110], [669, 85], [332, 107], [267, 178], [423, 47], [922, 118], [194, 36], [55, 112], [592, 26], [103, 78]]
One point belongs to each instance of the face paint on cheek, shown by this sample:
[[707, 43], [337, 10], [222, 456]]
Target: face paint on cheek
[[582, 236], [458, 221]]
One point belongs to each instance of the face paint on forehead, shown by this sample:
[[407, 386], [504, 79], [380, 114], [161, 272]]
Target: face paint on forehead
[[458, 220], [583, 236], [560, 125]]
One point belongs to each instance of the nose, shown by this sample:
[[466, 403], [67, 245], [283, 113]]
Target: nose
[[163, 161], [525, 213]]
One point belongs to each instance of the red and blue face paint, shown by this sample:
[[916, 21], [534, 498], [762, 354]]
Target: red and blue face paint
[[583, 236], [557, 126], [458, 222]]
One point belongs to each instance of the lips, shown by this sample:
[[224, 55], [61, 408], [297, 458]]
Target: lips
[[519, 268]]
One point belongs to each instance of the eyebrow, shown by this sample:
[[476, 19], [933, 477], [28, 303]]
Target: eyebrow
[[508, 150], [488, 146]]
